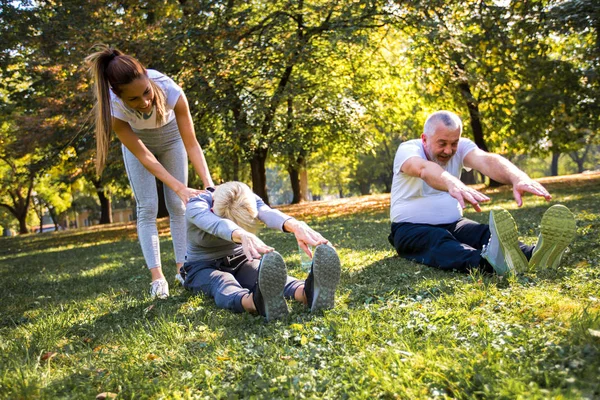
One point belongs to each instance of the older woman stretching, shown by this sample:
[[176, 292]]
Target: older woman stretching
[[227, 261]]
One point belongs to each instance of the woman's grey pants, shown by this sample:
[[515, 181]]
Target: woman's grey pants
[[167, 146]]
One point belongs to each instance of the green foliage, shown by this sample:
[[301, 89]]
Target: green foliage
[[82, 324], [300, 84]]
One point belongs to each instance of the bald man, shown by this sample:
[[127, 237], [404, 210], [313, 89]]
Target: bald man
[[428, 199]]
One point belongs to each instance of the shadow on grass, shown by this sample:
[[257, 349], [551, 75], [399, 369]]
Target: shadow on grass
[[59, 277]]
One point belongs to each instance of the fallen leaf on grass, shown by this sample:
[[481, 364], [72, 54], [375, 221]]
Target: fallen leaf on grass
[[147, 309], [594, 332], [48, 355], [152, 357], [297, 327], [223, 358], [106, 395]]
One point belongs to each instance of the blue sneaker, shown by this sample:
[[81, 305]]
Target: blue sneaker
[[268, 292], [503, 251], [558, 229], [323, 278]]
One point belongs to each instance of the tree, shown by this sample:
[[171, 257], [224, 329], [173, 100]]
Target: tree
[[245, 59]]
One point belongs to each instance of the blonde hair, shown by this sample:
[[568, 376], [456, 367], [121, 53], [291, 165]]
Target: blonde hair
[[236, 202], [109, 69]]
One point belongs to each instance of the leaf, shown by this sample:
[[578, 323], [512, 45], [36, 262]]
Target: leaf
[[148, 309], [152, 357], [297, 327], [106, 395], [47, 356], [223, 358], [594, 333]]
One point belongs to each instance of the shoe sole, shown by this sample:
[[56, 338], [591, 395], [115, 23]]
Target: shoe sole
[[272, 276], [506, 230], [326, 273], [558, 228]]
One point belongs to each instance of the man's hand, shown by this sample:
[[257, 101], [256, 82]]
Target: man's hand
[[464, 194], [252, 246], [305, 235], [526, 184]]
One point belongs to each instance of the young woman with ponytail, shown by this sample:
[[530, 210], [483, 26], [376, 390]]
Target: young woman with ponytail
[[150, 115]]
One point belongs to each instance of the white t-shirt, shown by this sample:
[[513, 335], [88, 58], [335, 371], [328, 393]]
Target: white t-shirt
[[139, 120], [415, 201]]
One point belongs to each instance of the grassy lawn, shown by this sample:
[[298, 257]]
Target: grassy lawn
[[76, 320]]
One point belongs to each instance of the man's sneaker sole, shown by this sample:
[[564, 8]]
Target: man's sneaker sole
[[506, 231], [326, 273], [272, 276], [558, 228]]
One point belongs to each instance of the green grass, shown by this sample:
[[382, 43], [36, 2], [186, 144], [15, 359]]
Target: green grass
[[75, 321]]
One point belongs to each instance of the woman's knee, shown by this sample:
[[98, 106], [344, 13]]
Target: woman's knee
[[147, 212], [175, 206]]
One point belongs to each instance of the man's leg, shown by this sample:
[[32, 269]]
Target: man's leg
[[477, 235], [433, 245]]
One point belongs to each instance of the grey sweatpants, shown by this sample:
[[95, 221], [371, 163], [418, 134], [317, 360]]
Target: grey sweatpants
[[167, 146]]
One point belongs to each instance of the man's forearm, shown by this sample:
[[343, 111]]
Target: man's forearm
[[436, 177], [501, 170]]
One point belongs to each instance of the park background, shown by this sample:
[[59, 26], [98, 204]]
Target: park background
[[302, 100]]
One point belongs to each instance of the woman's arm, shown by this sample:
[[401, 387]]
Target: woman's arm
[[141, 152], [188, 135]]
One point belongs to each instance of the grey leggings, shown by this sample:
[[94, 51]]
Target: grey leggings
[[167, 146]]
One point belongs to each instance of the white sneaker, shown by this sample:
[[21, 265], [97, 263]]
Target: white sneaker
[[159, 288], [179, 278]]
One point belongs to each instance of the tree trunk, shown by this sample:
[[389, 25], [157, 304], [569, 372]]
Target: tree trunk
[[298, 177], [40, 214], [236, 168], [53, 216], [23, 224], [294, 173], [475, 118], [259, 175], [554, 164], [20, 205], [474, 115], [105, 208], [105, 203], [304, 182], [468, 177], [162, 206], [365, 188]]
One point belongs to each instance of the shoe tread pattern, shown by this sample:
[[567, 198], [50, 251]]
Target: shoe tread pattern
[[508, 237], [558, 228], [272, 276], [326, 272]]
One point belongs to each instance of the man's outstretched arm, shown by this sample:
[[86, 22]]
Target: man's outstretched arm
[[501, 170], [436, 177]]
